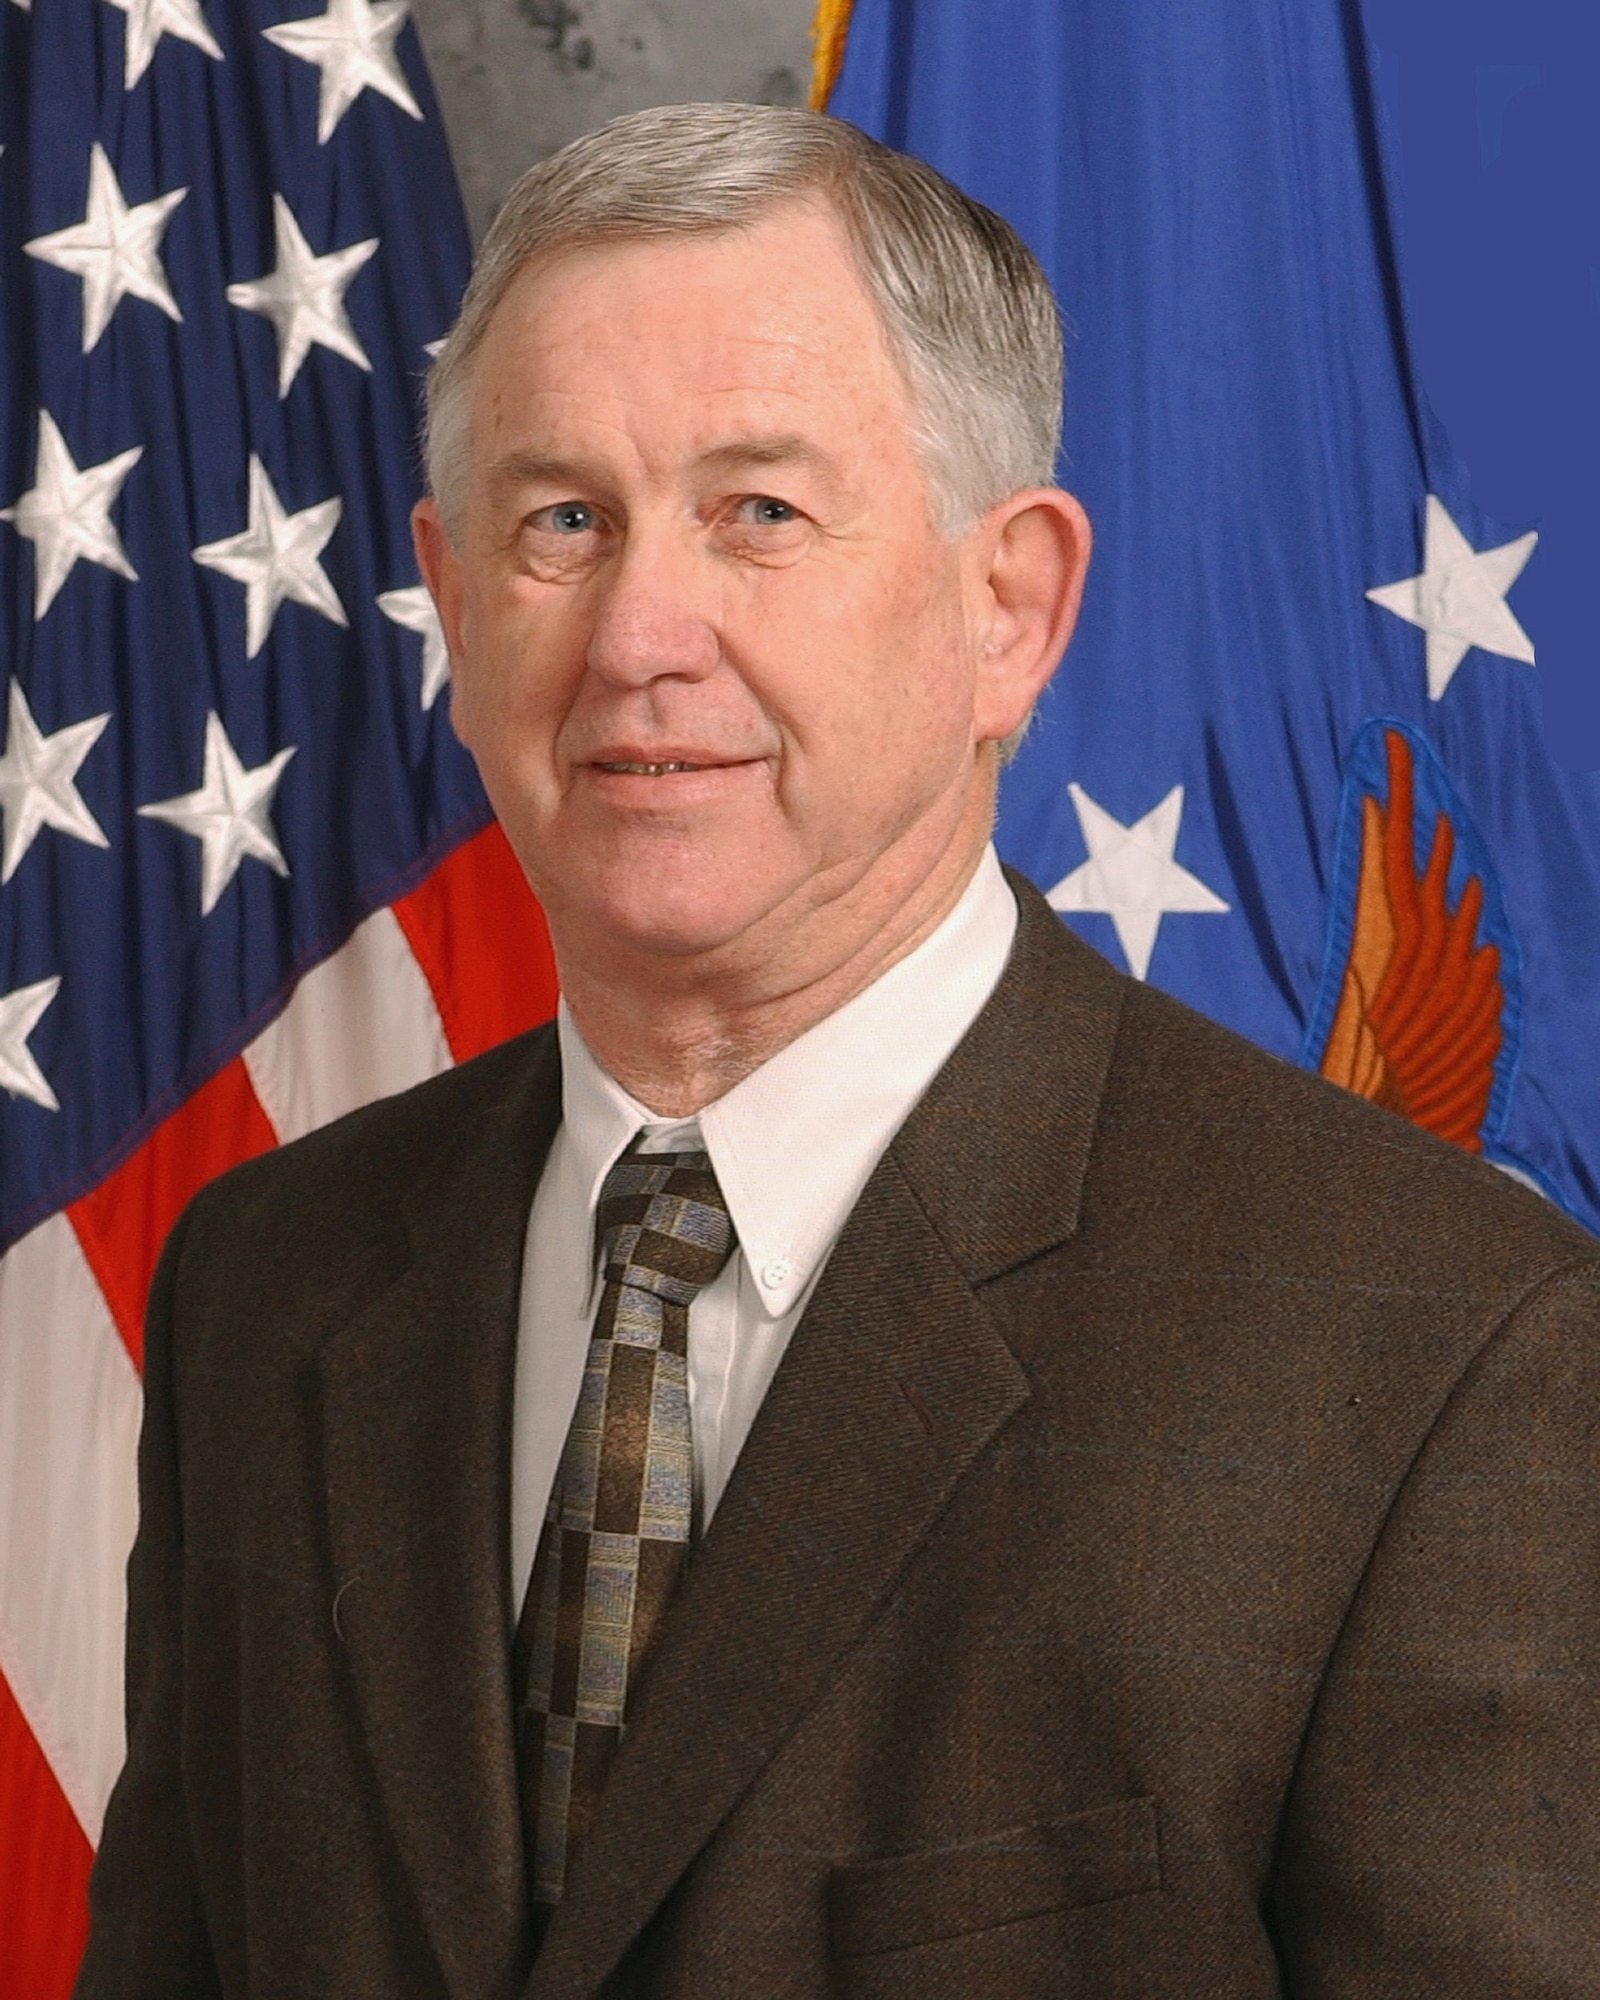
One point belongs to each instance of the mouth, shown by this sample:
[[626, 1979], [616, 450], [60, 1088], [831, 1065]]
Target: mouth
[[634, 768]]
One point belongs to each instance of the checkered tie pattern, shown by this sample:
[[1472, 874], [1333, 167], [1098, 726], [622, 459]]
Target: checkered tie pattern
[[616, 1534]]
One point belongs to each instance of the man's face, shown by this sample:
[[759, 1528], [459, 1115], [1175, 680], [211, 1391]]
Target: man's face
[[721, 675]]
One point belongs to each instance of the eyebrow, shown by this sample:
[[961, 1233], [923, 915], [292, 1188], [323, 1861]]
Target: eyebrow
[[533, 468], [536, 468], [785, 448]]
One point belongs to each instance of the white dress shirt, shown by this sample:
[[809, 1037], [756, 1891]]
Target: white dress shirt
[[793, 1144]]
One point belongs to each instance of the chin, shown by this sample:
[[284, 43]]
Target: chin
[[669, 918]]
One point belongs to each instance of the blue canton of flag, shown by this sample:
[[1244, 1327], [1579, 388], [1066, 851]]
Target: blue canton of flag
[[1293, 768], [223, 743]]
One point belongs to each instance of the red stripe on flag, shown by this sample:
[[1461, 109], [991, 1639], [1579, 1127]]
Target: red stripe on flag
[[44, 1868], [123, 1222], [482, 943]]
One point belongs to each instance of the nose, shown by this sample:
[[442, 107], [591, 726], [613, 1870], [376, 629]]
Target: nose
[[656, 617]]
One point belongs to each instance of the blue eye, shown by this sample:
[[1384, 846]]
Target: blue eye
[[572, 517], [769, 512]]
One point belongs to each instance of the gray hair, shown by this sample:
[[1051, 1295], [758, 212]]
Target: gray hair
[[967, 313]]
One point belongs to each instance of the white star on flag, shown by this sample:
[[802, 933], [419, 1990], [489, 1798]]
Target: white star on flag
[[353, 46], [36, 781], [230, 815], [1459, 599], [149, 20], [1130, 875], [275, 557], [115, 250], [67, 514], [304, 297], [19, 1016], [414, 610]]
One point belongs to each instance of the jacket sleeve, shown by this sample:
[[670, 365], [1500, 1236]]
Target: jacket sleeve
[[147, 1926], [1443, 1833]]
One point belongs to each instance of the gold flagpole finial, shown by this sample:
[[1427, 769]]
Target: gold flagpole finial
[[829, 26]]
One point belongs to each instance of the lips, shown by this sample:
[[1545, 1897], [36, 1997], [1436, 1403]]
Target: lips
[[663, 760], [633, 767]]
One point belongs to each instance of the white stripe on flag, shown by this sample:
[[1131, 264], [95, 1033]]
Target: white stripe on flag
[[358, 1026], [69, 1427]]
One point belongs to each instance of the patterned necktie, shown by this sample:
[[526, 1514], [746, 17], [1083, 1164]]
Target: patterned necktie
[[616, 1535]]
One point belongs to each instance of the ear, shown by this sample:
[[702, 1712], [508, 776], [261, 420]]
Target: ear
[[441, 571], [1032, 552]]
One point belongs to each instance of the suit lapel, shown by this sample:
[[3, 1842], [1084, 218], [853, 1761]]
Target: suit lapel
[[998, 1149], [415, 1401], [894, 1383]]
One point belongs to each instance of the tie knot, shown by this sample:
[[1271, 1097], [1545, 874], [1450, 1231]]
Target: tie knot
[[663, 1225]]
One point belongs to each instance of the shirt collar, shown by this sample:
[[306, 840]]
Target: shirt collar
[[794, 1143]]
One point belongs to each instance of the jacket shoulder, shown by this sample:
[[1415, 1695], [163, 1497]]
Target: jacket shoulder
[[351, 1177], [1235, 1146]]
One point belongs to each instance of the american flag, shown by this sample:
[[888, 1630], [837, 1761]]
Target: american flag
[[247, 877]]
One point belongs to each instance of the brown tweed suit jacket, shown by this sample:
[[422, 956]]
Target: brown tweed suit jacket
[[1165, 1565]]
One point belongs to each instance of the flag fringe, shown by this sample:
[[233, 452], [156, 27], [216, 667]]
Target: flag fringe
[[829, 26]]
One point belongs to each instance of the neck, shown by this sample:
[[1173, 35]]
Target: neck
[[678, 1034]]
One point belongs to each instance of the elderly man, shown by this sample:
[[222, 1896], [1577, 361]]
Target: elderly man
[[875, 1456]]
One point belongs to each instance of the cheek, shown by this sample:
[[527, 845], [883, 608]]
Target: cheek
[[924, 684], [505, 682], [477, 688], [879, 645]]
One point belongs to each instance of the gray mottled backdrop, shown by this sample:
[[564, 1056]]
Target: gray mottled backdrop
[[517, 78]]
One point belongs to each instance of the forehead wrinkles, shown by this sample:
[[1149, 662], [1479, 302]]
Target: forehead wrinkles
[[776, 306], [679, 361], [733, 435]]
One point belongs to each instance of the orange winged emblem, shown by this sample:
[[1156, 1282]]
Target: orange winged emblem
[[1417, 1027]]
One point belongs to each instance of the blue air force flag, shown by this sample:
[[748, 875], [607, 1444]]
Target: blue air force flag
[[1293, 768]]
